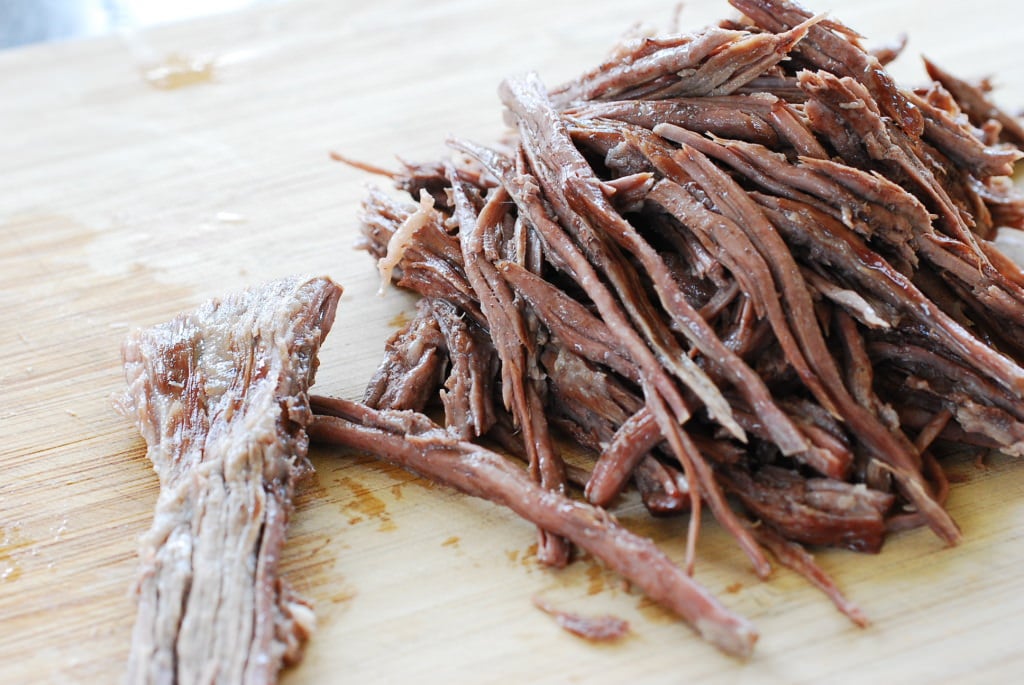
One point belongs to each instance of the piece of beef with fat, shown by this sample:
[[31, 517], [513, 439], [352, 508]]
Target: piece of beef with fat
[[220, 395]]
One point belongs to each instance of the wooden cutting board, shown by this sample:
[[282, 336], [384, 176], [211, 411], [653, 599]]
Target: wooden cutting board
[[129, 193]]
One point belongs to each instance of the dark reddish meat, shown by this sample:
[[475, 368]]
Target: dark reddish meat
[[412, 441], [742, 261]]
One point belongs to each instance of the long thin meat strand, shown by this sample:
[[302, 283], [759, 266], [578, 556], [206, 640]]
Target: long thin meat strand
[[570, 185], [467, 395], [510, 339], [873, 206], [658, 388], [713, 62], [860, 375], [794, 556], [412, 441], [979, 109], [891, 447], [745, 117], [832, 50], [849, 256], [563, 253]]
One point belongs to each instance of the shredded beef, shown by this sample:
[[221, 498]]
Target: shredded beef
[[413, 441], [220, 395], [740, 269]]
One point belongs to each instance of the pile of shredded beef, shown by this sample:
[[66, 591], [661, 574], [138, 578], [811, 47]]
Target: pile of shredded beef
[[742, 268]]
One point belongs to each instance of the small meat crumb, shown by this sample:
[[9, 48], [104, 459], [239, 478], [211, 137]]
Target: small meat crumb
[[604, 628]]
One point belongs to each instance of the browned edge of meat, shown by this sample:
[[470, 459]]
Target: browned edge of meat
[[221, 397]]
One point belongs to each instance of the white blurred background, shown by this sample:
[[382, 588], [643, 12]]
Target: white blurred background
[[23, 22]]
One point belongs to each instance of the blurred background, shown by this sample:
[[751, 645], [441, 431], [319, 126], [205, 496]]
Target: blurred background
[[23, 22]]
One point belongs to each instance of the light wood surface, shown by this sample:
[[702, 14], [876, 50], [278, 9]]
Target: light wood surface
[[124, 200]]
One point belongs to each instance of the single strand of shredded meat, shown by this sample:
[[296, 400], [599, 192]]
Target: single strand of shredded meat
[[412, 441]]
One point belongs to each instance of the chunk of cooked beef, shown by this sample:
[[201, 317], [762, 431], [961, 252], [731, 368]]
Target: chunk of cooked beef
[[814, 511], [220, 396], [410, 373]]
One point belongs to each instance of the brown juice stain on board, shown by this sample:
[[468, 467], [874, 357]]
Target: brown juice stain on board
[[361, 459], [733, 588], [653, 611], [309, 490], [400, 320], [453, 541], [10, 542], [647, 526], [529, 558], [339, 601], [595, 579], [179, 71], [307, 560], [366, 503]]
